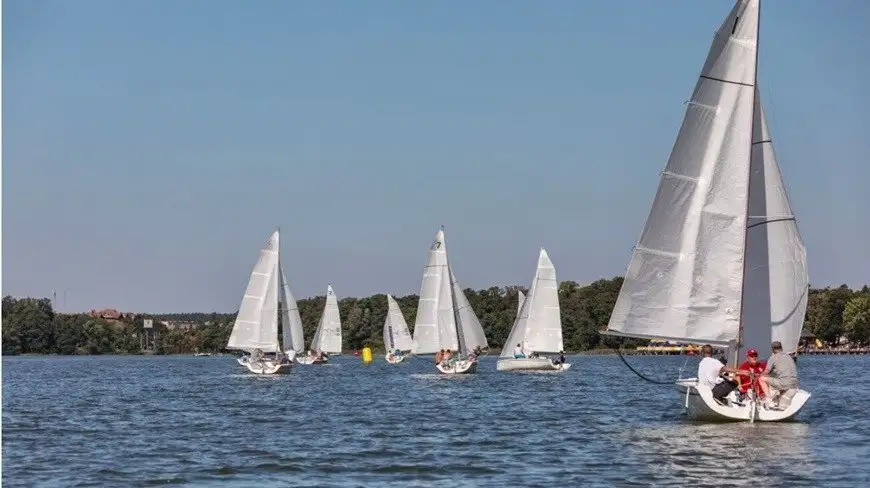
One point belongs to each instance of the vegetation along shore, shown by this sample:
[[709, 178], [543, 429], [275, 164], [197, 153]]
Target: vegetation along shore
[[30, 325]]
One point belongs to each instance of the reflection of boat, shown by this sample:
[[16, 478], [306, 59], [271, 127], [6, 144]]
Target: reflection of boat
[[720, 260]]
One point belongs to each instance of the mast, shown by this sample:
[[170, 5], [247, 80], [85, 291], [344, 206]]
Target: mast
[[281, 345], [459, 339], [739, 342]]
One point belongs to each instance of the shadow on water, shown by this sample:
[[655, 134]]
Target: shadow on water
[[137, 421]]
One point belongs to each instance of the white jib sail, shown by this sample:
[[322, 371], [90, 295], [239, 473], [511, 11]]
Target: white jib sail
[[327, 338], [539, 323], [777, 280], [256, 325], [685, 278], [396, 335], [290, 320], [522, 298], [472, 331]]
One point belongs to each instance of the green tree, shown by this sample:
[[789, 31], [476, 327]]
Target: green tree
[[856, 319], [824, 315]]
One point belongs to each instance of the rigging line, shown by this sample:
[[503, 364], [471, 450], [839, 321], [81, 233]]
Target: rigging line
[[640, 375]]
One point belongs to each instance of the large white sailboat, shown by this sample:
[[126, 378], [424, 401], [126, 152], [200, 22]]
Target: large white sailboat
[[327, 337], [445, 319], [266, 303], [538, 326], [720, 260], [397, 338]]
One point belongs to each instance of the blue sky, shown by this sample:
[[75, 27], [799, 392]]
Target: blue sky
[[150, 147]]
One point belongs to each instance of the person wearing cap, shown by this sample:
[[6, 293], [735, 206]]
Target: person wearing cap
[[709, 371], [779, 375], [756, 367]]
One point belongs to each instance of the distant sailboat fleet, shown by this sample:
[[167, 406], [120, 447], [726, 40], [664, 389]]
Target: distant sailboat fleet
[[720, 261]]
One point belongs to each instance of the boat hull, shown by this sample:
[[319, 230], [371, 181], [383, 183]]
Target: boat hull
[[459, 367], [268, 367], [530, 364], [394, 359], [307, 360], [700, 405]]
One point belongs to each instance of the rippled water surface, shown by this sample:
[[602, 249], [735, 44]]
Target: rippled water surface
[[139, 421]]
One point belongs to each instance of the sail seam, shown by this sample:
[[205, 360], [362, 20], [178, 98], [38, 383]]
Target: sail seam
[[720, 80]]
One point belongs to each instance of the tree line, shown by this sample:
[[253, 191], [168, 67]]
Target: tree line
[[30, 325]]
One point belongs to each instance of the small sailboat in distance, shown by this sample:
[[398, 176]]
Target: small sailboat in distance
[[327, 338], [538, 326], [255, 330], [397, 338], [720, 260], [445, 320]]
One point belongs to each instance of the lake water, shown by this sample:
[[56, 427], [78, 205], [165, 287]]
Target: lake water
[[141, 421]]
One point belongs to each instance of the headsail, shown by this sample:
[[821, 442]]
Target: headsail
[[327, 338], [290, 320], [435, 326], [685, 278], [396, 335], [472, 331], [777, 280], [522, 298], [539, 321], [256, 325]]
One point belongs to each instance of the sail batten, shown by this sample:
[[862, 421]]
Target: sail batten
[[685, 277]]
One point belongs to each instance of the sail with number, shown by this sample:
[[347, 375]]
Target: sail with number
[[256, 325], [686, 275], [539, 322], [327, 337], [435, 325], [396, 334]]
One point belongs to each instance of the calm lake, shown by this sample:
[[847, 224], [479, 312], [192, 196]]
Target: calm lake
[[203, 421]]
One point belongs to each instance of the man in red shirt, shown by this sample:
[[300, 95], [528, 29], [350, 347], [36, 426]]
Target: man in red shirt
[[752, 363]]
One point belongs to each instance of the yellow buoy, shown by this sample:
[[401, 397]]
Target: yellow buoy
[[366, 355]]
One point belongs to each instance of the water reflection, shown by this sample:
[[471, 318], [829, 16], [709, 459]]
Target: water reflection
[[727, 454]]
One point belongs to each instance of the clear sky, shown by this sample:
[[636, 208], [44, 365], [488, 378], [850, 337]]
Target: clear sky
[[150, 147]]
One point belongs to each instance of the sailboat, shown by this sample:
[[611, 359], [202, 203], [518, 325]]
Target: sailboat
[[445, 319], [720, 260], [396, 334], [538, 326], [267, 302], [327, 337]]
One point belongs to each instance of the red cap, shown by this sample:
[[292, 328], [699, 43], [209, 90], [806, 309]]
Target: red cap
[[752, 352]]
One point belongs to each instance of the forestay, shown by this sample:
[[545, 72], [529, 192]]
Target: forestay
[[539, 321], [256, 325], [327, 338], [685, 277], [777, 280], [396, 335]]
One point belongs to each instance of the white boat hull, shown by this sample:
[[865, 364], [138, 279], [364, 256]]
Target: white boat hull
[[308, 360], [530, 364], [459, 367], [700, 405], [394, 359], [269, 367]]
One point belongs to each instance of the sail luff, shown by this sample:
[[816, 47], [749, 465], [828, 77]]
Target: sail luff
[[685, 277]]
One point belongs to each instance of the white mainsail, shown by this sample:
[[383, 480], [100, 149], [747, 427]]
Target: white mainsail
[[396, 334], [472, 331], [435, 325], [685, 278], [522, 298], [256, 325], [777, 279], [290, 320], [327, 337], [539, 321]]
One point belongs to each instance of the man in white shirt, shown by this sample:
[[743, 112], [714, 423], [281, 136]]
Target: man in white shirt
[[709, 371]]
